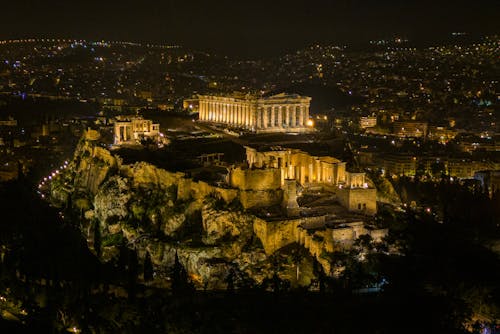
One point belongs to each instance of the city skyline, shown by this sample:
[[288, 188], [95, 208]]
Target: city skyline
[[249, 29]]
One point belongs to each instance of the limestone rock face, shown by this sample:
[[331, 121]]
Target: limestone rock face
[[161, 213], [173, 223], [224, 225], [112, 199], [147, 175]]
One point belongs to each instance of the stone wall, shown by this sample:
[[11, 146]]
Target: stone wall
[[255, 179], [299, 165], [257, 187], [313, 234], [260, 199], [360, 200], [276, 234]]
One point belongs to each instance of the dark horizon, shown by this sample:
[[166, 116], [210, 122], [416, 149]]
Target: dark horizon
[[252, 29]]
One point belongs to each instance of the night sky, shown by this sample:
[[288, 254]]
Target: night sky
[[247, 27]]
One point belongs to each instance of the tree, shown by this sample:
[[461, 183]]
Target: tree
[[297, 256], [404, 194], [230, 280], [180, 280], [148, 268], [97, 238], [133, 267]]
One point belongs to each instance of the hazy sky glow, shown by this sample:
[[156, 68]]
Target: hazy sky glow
[[247, 27]]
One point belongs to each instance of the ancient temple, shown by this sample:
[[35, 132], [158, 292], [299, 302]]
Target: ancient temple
[[131, 131], [277, 113]]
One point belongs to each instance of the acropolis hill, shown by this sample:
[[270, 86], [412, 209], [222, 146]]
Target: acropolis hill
[[274, 200]]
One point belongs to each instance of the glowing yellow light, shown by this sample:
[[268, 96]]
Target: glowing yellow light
[[310, 122]]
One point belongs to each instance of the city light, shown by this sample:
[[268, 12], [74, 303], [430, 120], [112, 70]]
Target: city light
[[140, 173]]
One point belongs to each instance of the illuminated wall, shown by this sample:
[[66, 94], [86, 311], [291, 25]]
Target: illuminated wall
[[132, 130], [298, 165]]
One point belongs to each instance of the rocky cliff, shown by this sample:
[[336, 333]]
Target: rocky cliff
[[162, 215]]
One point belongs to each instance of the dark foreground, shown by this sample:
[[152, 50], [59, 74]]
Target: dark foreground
[[51, 282]]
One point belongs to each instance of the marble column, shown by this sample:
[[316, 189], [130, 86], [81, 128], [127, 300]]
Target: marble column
[[287, 115], [280, 117], [242, 115], [248, 116], [318, 171], [235, 114], [264, 118], [272, 117], [259, 118]]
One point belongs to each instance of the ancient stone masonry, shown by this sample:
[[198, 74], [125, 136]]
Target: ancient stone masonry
[[131, 131], [277, 113], [351, 189], [319, 234], [298, 165], [258, 187], [356, 195]]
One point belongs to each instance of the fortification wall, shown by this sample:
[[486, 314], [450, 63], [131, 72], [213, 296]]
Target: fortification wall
[[258, 199], [276, 234], [280, 233], [343, 234], [255, 179], [361, 200]]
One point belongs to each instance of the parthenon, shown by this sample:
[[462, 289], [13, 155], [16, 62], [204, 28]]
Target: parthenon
[[277, 113]]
